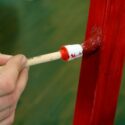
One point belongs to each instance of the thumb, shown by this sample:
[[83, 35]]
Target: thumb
[[4, 58], [10, 73]]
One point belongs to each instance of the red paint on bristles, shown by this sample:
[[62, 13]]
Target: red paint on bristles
[[90, 46], [93, 43]]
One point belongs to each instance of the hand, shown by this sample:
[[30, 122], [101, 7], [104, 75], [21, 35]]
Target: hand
[[13, 79]]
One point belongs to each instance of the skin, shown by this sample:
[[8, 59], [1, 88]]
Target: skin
[[13, 79]]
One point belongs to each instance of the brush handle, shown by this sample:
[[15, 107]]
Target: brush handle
[[66, 53], [44, 58]]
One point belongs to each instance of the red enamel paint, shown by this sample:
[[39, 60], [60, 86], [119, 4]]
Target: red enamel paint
[[93, 43], [101, 72], [73, 55], [64, 53], [89, 46]]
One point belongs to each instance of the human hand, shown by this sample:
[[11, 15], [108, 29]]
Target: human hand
[[13, 79]]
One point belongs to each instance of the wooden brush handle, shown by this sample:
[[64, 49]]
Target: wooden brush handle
[[44, 58]]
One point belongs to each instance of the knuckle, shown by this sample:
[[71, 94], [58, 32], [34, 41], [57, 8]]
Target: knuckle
[[21, 57], [13, 99], [20, 62], [8, 85], [4, 89]]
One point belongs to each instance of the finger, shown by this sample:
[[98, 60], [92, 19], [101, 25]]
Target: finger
[[9, 120], [21, 83], [8, 101], [4, 58], [11, 99], [10, 72], [7, 112]]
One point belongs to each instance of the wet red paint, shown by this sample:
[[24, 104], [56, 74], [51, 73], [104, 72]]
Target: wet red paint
[[64, 53], [90, 46], [73, 55], [93, 43], [101, 73]]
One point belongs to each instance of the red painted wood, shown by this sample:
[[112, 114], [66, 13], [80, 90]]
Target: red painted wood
[[100, 75]]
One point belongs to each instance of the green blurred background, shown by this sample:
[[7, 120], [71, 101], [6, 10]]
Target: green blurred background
[[34, 27]]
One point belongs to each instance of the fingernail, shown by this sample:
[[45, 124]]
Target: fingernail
[[24, 60]]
